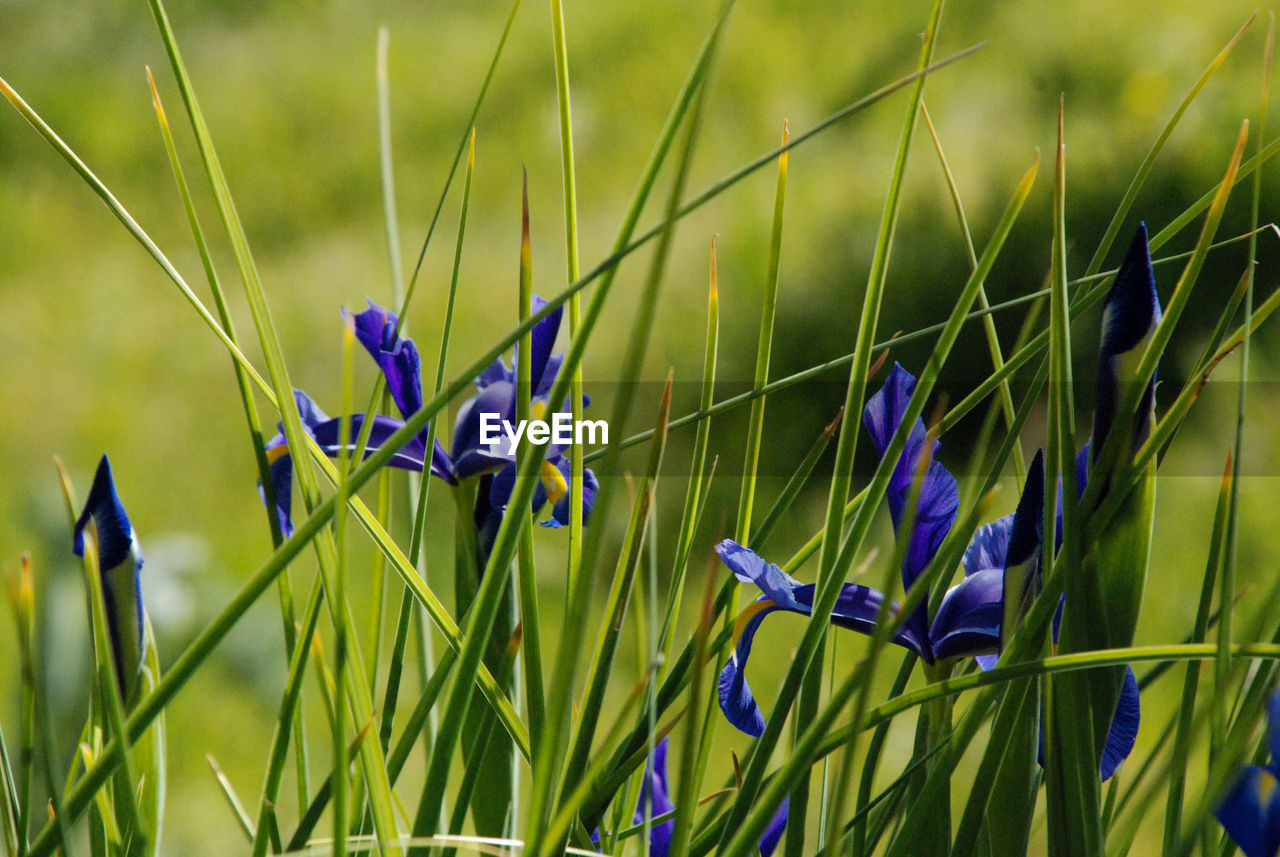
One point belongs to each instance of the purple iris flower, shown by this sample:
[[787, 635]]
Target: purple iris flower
[[119, 563], [969, 619], [1251, 810], [656, 784], [398, 359], [1130, 316]]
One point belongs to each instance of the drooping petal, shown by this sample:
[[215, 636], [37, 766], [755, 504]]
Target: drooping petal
[[119, 564], [326, 433], [968, 620], [409, 457], [1123, 731], [856, 609], [655, 796], [561, 509], [1273, 725], [470, 454], [1251, 812], [777, 826], [281, 486], [1124, 726], [281, 463], [736, 699], [1129, 319]]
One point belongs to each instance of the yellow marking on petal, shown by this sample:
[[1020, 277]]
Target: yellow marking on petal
[[554, 482], [275, 453], [1266, 785], [755, 608], [537, 409]]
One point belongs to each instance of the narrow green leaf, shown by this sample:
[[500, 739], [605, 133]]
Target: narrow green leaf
[[1182, 741], [233, 800], [615, 606]]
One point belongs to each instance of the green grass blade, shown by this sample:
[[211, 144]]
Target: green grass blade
[[764, 348], [829, 588], [846, 446], [558, 699], [988, 324], [233, 800], [526, 574], [794, 484], [693, 493], [1182, 739], [1072, 797], [25, 616], [10, 809], [576, 463], [624, 575], [387, 170], [279, 751], [224, 317], [1226, 597], [267, 335], [126, 814]]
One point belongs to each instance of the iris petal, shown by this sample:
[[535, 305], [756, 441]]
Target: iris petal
[[1248, 812], [560, 511], [470, 455], [543, 339], [119, 564], [856, 609], [1124, 727], [736, 699], [114, 532], [655, 785], [326, 433], [409, 457], [749, 567], [397, 356], [968, 620], [773, 833], [1251, 810], [1129, 316], [939, 496], [1273, 725], [1025, 551], [495, 372], [988, 546]]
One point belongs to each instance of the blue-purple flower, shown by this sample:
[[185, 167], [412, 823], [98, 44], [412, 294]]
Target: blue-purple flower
[[1251, 810], [655, 799], [469, 456], [969, 619], [119, 563], [1130, 316]]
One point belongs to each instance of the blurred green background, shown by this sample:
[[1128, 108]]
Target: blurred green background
[[104, 356]]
